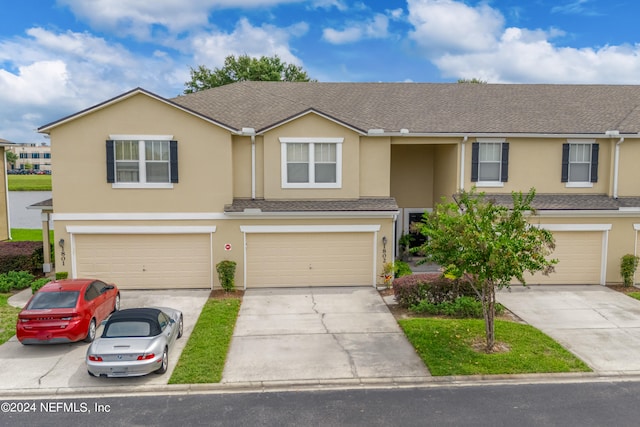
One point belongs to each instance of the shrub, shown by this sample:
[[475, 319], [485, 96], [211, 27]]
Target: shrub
[[401, 269], [61, 275], [226, 273], [20, 256], [38, 283], [628, 266], [429, 287], [15, 280], [464, 306]]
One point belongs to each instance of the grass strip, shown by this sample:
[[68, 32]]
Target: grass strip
[[8, 318], [29, 182], [446, 347], [203, 358], [635, 295], [28, 235]]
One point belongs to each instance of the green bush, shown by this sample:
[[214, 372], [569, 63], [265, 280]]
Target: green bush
[[15, 280], [61, 275], [432, 287], [38, 283], [226, 273], [20, 256], [628, 266], [401, 269], [464, 306]]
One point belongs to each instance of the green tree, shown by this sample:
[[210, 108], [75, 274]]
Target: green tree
[[473, 80], [487, 245], [244, 68], [12, 158]]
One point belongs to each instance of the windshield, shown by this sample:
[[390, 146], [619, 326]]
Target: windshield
[[64, 299]]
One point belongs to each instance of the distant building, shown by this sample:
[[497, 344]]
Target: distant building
[[32, 156]]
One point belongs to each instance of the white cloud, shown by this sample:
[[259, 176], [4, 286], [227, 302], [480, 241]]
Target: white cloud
[[139, 18], [211, 49], [376, 28], [472, 42]]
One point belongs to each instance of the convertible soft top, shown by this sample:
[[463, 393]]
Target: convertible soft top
[[147, 314]]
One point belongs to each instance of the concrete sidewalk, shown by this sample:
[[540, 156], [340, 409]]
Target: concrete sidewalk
[[316, 334], [597, 324]]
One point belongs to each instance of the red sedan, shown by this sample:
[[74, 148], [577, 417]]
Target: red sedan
[[66, 311]]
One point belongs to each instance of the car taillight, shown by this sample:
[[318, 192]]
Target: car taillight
[[95, 358], [146, 356], [74, 315], [23, 320]]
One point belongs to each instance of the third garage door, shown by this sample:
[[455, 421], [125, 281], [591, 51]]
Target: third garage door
[[309, 259]]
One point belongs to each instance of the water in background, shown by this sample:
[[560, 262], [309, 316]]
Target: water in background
[[19, 215]]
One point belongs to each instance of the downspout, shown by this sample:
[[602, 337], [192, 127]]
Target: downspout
[[462, 152], [616, 165], [252, 132]]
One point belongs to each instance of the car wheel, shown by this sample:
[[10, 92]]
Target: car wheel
[[165, 362], [116, 304], [180, 327], [91, 333]]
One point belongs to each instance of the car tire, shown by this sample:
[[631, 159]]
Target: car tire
[[165, 362], [116, 304], [180, 327], [91, 332]]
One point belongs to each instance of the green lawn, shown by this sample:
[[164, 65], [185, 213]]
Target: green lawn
[[202, 359], [29, 182], [28, 234], [445, 346], [635, 295], [8, 318]]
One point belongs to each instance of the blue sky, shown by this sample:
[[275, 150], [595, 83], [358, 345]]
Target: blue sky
[[58, 57]]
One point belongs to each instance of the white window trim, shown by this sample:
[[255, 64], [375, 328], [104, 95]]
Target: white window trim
[[493, 184], [141, 161], [579, 184], [283, 162]]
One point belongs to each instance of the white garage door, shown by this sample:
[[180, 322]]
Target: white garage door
[[579, 255], [310, 259], [142, 261]]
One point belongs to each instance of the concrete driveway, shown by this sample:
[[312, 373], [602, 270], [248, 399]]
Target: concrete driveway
[[597, 324], [318, 334], [61, 366]]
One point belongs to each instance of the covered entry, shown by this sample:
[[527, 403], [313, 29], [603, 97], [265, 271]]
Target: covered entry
[[289, 256], [137, 260]]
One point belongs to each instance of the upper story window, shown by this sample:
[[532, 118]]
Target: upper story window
[[311, 162], [580, 163], [135, 161], [490, 162], [24, 155], [47, 155], [35, 155]]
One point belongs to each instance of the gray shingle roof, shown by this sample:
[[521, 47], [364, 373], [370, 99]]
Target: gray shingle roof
[[570, 201], [427, 107], [359, 205]]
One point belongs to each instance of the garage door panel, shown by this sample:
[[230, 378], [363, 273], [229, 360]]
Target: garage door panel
[[146, 261], [309, 259], [579, 255]]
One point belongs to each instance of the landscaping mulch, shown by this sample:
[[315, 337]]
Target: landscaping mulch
[[222, 294]]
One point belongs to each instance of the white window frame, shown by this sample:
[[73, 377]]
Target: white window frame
[[580, 184], [142, 161], [311, 141], [497, 183]]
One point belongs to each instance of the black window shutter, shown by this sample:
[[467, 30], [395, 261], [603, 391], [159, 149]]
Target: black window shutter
[[595, 148], [475, 152], [111, 166], [504, 170], [173, 157], [565, 163]]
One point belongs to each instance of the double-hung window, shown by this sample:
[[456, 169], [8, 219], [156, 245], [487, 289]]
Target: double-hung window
[[311, 162], [135, 161], [580, 163], [490, 162]]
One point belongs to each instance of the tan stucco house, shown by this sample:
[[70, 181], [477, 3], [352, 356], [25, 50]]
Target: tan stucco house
[[312, 184]]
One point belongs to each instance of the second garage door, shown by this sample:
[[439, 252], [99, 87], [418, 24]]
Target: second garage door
[[579, 255], [309, 259], [139, 261]]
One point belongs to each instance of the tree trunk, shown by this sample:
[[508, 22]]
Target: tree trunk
[[489, 311]]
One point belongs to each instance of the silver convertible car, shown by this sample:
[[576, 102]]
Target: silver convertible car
[[135, 342]]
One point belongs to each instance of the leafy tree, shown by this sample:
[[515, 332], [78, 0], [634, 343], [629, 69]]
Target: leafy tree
[[12, 158], [487, 245], [244, 68], [473, 80]]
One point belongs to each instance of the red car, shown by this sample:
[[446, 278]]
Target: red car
[[66, 311]]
